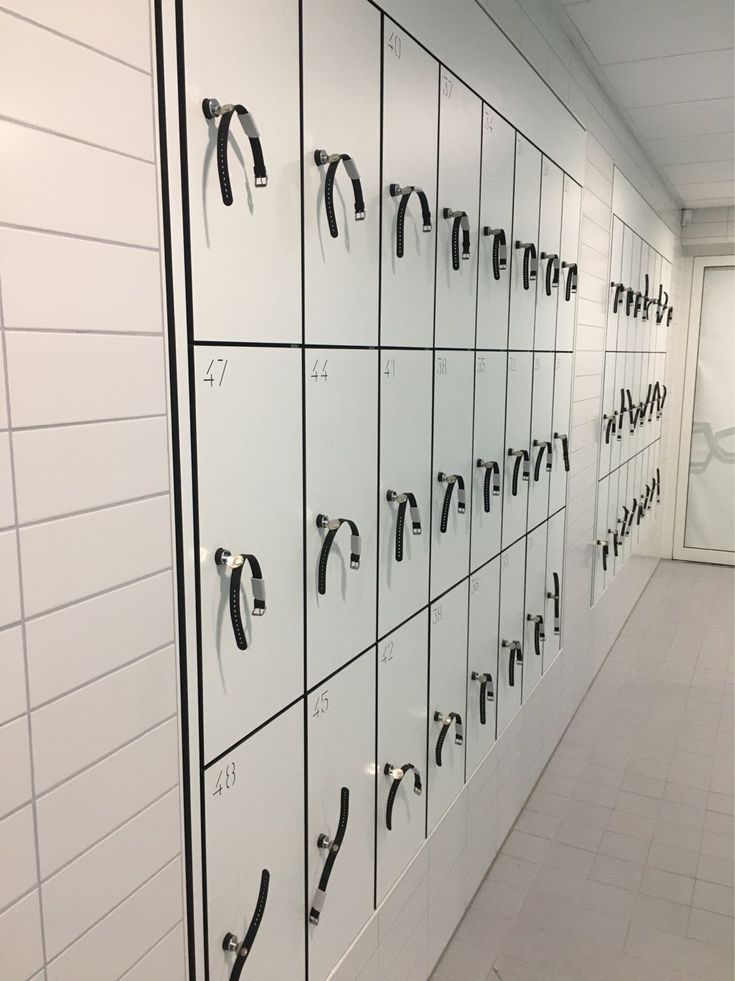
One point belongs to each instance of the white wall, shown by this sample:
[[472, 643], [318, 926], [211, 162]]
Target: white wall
[[89, 809]]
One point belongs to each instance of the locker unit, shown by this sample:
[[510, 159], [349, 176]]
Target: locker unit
[[511, 654], [341, 70], [542, 442], [567, 312], [517, 455], [405, 486], [554, 619], [561, 431], [535, 625], [410, 124], [341, 811], [482, 662], [458, 201], [524, 266], [487, 456], [549, 258]]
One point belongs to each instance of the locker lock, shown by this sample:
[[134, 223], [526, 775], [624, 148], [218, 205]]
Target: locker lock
[[225, 557], [323, 841], [332, 526], [230, 942], [212, 109], [459, 220], [404, 193], [332, 162], [405, 500], [500, 249]]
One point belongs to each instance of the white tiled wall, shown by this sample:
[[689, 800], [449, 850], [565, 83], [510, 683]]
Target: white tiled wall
[[90, 839]]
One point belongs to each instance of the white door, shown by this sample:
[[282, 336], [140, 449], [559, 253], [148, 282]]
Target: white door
[[249, 504], [600, 547], [609, 422], [410, 122], [517, 456], [561, 431], [535, 625], [541, 438], [524, 243], [482, 662], [612, 529], [568, 282], [487, 455], [549, 261], [554, 619], [341, 97], [626, 276], [511, 655], [616, 299]]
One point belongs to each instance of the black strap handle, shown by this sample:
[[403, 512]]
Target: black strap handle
[[669, 316], [212, 110], [544, 446], [654, 488], [605, 549], [332, 162], [332, 526], [236, 563], [500, 249], [663, 303], [610, 426], [552, 271], [405, 193], [539, 634], [623, 522], [459, 220], [615, 540], [617, 295], [398, 773], [564, 440], [631, 514], [515, 653], [487, 694], [572, 276], [521, 457], [404, 500], [556, 596], [530, 262], [446, 721], [664, 391], [230, 941], [490, 485], [658, 486], [450, 479], [333, 850], [629, 300]]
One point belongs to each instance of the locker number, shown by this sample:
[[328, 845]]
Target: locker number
[[390, 368], [216, 372], [321, 704], [481, 366], [394, 43], [447, 86], [387, 653], [226, 779], [436, 615], [319, 371], [441, 366]]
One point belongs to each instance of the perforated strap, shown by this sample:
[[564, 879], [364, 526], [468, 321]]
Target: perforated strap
[[521, 457], [212, 109], [500, 249], [638, 304], [333, 161], [669, 316], [407, 499], [605, 549], [450, 480], [333, 526], [610, 427], [236, 563], [632, 514], [530, 263], [564, 440], [334, 847], [515, 652], [252, 932], [617, 295], [398, 773], [629, 300], [556, 596], [658, 485], [544, 447], [551, 280], [405, 193], [459, 221], [572, 276], [486, 692], [539, 634], [489, 486], [446, 721], [615, 540]]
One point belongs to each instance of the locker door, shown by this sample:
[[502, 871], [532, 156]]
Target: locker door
[[647, 397], [447, 698], [617, 441], [511, 655], [460, 122], [541, 438], [600, 547], [238, 292], [341, 95], [569, 265], [625, 324], [249, 503], [612, 529], [487, 509], [634, 321], [660, 377], [453, 467], [625, 495], [562, 426], [341, 741], [609, 421], [634, 470], [524, 243], [410, 122], [402, 700], [405, 469], [554, 588], [638, 399], [482, 662], [535, 625], [496, 220], [549, 262], [616, 304], [517, 455], [667, 297], [254, 822], [627, 447], [645, 278], [341, 483]]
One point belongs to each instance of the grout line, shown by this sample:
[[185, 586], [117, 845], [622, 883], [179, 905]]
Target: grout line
[[156, 495], [35, 127], [86, 422], [78, 236], [158, 943], [82, 332]]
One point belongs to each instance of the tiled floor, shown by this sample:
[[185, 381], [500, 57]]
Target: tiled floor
[[620, 867]]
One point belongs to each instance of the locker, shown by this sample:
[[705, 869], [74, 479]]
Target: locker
[[410, 124], [242, 215], [567, 314], [609, 421], [341, 786], [600, 545], [666, 311], [637, 388], [627, 404], [401, 763], [634, 319], [612, 530], [254, 824], [511, 655], [405, 478], [341, 485], [618, 442], [487, 456], [447, 701], [341, 75], [624, 514], [554, 588], [541, 438], [645, 283], [458, 202], [524, 266], [634, 486], [517, 446], [660, 405], [495, 251], [561, 429], [616, 304], [549, 260], [452, 468], [536, 628], [625, 324], [249, 504], [482, 662], [646, 398]]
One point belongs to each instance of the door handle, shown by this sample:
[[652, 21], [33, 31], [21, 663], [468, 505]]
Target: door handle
[[615, 540], [539, 634], [404, 500], [236, 563], [332, 162], [231, 943], [544, 447], [446, 721], [610, 427], [405, 193], [515, 653], [500, 249], [487, 693], [332, 847], [605, 549], [397, 773], [213, 110], [564, 439], [459, 220], [530, 263], [556, 597], [450, 479], [551, 280], [491, 481], [521, 457], [617, 295], [332, 526], [572, 276]]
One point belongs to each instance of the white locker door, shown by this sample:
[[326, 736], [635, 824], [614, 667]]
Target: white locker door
[[554, 588], [612, 529], [511, 655], [618, 440], [410, 121], [561, 428], [482, 662], [549, 260], [495, 249], [535, 625], [524, 244], [487, 490], [238, 220], [661, 404], [453, 467], [517, 456], [616, 298], [624, 505], [609, 421], [341, 95], [458, 204], [541, 438], [569, 265], [341, 483], [627, 447], [402, 700], [254, 813], [634, 470], [634, 320], [249, 503], [341, 741], [639, 395], [600, 547], [405, 473], [668, 300], [645, 280], [447, 701], [625, 324]]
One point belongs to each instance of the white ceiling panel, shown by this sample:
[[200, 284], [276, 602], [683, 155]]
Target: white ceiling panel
[[685, 118], [680, 78], [692, 173], [692, 149], [710, 189], [708, 202]]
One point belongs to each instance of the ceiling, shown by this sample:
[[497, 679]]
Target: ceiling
[[668, 66]]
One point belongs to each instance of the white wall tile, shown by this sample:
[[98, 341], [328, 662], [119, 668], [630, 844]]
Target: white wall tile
[[102, 716], [7, 514], [91, 886], [64, 648], [47, 84], [3, 391], [17, 840], [15, 786], [12, 670], [71, 558], [166, 960], [65, 186], [72, 468], [61, 378], [80, 812], [20, 938], [10, 593], [86, 285]]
